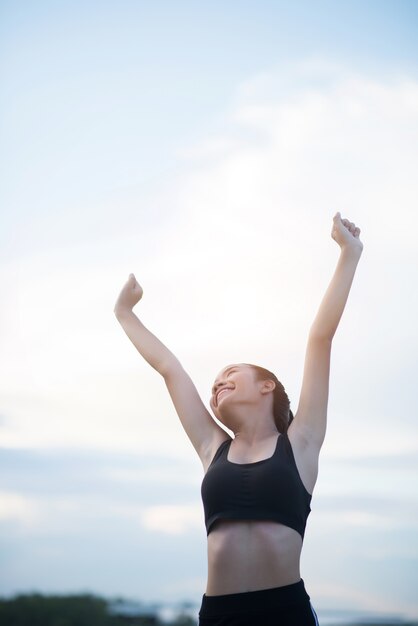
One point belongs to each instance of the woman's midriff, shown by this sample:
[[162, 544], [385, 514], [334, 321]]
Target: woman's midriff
[[251, 555]]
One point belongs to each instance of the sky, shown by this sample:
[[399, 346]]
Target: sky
[[204, 147]]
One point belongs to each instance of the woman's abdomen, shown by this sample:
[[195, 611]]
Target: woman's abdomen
[[251, 555]]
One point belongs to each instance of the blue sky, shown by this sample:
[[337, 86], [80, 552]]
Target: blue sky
[[188, 143], [130, 82]]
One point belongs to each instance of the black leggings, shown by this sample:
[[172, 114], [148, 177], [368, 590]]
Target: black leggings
[[280, 606]]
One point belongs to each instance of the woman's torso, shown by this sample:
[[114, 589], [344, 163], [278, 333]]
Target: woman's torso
[[248, 555]]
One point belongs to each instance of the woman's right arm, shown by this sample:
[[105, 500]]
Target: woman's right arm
[[147, 344], [201, 428]]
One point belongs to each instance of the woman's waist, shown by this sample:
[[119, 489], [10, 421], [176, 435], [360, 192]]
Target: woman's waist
[[248, 556], [261, 600]]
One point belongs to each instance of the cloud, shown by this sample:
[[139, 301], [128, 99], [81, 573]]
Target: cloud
[[244, 256], [68, 492], [335, 595], [173, 519], [367, 518], [93, 473], [18, 509]]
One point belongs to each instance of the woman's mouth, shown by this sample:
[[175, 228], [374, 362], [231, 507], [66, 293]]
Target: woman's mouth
[[218, 395]]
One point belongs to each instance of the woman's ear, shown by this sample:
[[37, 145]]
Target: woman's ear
[[268, 385]]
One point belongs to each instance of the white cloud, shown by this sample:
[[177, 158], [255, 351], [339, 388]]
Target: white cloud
[[173, 519], [361, 519], [236, 273], [20, 509]]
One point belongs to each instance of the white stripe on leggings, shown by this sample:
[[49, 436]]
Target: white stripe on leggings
[[314, 614]]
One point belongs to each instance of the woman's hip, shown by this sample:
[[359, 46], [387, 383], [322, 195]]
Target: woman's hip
[[288, 605]]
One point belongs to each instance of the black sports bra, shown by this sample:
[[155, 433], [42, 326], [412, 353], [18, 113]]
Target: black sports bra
[[270, 489]]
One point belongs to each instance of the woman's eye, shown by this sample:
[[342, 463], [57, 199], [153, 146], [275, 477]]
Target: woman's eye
[[230, 372]]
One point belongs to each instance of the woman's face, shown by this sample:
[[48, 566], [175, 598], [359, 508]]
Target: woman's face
[[234, 382]]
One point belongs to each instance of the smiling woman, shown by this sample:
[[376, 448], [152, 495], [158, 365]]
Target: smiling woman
[[281, 404], [257, 487]]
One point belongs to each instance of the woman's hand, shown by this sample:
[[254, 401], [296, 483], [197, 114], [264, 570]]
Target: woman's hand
[[346, 233], [129, 296]]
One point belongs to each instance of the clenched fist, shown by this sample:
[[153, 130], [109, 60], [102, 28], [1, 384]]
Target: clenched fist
[[346, 233], [129, 296]]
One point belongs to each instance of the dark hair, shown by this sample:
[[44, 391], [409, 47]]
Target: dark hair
[[283, 416]]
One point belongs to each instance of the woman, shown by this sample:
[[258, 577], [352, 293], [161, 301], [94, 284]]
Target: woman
[[257, 487]]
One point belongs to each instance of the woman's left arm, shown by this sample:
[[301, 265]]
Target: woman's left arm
[[310, 418]]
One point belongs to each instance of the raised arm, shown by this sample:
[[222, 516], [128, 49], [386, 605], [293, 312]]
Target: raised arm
[[310, 417], [147, 344], [196, 420]]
